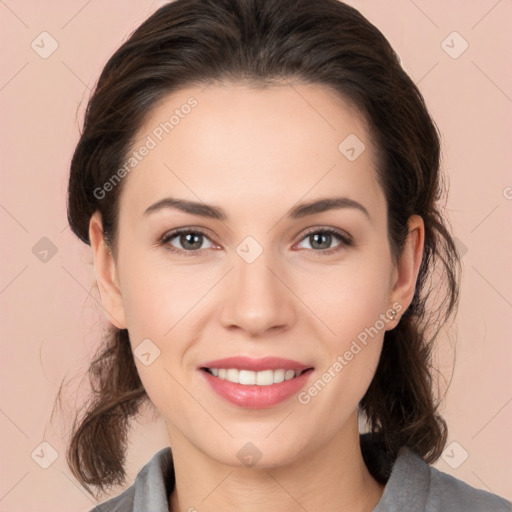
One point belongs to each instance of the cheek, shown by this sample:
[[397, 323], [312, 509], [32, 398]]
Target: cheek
[[358, 298], [350, 298], [350, 356], [157, 294]]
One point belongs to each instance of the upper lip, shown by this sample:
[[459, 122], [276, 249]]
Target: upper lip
[[256, 365]]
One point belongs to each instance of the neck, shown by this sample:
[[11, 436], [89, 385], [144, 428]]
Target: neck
[[330, 478]]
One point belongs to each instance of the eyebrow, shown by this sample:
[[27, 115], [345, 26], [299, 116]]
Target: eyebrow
[[214, 212]]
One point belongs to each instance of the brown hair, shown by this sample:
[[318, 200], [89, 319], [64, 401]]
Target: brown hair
[[196, 42]]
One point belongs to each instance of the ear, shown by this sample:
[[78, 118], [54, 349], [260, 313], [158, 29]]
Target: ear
[[106, 274], [407, 268]]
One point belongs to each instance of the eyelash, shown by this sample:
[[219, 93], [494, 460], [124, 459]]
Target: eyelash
[[346, 241]]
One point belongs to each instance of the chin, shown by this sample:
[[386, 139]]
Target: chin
[[259, 452]]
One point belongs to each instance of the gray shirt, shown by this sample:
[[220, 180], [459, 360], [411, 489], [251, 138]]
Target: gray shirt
[[411, 486]]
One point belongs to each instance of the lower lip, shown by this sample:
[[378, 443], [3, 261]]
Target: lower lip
[[254, 396]]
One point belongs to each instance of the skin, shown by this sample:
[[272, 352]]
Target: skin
[[257, 153]]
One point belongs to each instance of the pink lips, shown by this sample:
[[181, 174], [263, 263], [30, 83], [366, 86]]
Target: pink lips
[[254, 396]]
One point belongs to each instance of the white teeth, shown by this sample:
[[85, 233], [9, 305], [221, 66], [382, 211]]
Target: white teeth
[[232, 375], [248, 377], [265, 378], [278, 376], [289, 375]]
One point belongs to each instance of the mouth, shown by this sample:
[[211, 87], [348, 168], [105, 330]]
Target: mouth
[[255, 383], [251, 378]]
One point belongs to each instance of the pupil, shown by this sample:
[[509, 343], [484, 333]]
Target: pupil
[[186, 239], [325, 235]]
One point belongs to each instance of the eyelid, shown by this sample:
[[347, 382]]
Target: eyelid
[[187, 229]]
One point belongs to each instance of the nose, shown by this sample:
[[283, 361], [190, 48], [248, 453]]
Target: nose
[[258, 299]]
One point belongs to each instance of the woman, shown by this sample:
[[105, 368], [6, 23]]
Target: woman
[[259, 184]]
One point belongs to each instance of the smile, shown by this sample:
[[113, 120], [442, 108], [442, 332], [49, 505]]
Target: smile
[[255, 383], [248, 377]]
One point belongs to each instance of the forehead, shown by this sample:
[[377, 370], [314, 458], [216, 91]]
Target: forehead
[[252, 149]]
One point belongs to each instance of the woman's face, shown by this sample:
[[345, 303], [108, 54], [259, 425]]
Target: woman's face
[[263, 280]]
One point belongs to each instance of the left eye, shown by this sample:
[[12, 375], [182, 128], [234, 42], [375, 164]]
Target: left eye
[[324, 237]]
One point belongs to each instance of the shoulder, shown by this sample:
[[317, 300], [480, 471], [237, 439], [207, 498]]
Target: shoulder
[[415, 485], [451, 494], [149, 491], [121, 503]]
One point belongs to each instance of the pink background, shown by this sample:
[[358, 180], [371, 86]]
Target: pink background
[[50, 316]]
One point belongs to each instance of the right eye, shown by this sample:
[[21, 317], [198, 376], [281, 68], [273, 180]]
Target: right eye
[[191, 241]]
